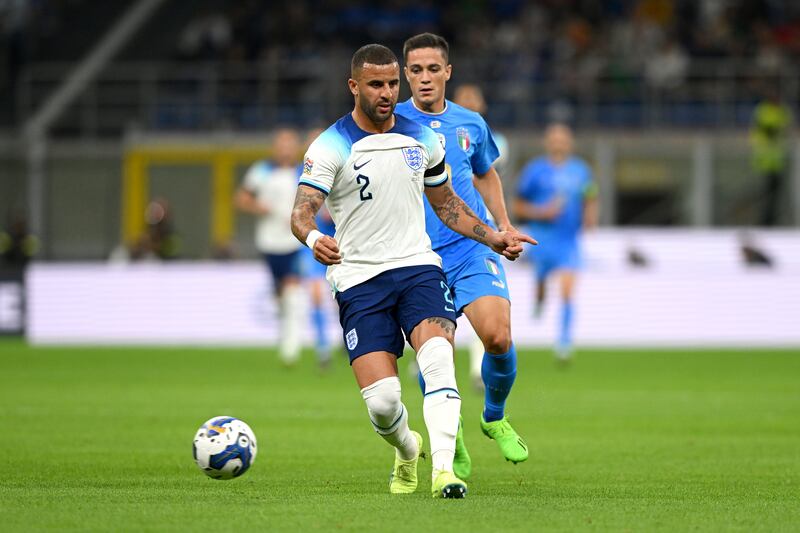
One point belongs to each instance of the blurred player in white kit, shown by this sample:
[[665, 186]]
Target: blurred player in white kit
[[267, 192]]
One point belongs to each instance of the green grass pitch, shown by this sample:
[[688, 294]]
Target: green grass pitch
[[100, 439]]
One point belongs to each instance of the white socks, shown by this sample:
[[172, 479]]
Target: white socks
[[442, 404], [389, 416], [292, 313], [476, 351]]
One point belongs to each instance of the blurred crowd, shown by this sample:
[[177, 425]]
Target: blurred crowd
[[571, 40], [626, 56], [654, 38]]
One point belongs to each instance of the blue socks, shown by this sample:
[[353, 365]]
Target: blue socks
[[318, 317], [565, 337], [498, 373]]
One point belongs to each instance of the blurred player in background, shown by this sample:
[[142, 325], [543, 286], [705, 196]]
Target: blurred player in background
[[374, 167], [470, 96], [474, 274], [314, 276], [556, 198], [769, 139], [267, 193]]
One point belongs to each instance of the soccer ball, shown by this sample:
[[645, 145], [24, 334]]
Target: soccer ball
[[224, 447]]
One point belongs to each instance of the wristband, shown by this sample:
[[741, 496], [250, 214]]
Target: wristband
[[313, 235]]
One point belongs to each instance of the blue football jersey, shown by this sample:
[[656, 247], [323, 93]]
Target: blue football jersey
[[469, 149], [542, 181], [325, 222]]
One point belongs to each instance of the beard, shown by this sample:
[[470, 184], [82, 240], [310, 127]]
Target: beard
[[372, 110]]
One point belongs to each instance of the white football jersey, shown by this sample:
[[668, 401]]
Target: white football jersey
[[375, 184], [275, 187]]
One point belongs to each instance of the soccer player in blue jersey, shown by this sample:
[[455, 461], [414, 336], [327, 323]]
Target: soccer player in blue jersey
[[314, 276], [373, 168], [470, 96], [556, 198], [474, 273]]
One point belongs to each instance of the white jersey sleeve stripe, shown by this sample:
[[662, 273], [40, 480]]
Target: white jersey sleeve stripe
[[317, 186], [436, 173], [442, 180]]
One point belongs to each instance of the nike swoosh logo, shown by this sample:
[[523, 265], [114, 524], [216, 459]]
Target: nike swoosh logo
[[453, 397], [358, 167]]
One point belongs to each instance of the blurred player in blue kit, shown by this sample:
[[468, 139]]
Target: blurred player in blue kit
[[373, 168], [556, 198], [314, 274], [475, 274]]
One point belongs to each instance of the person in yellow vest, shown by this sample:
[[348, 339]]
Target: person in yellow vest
[[17, 245], [769, 135]]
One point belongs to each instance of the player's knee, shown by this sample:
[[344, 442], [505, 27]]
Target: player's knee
[[435, 360], [497, 341], [384, 404]]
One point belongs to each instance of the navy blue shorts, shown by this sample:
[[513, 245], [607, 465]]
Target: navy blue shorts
[[283, 266], [375, 314]]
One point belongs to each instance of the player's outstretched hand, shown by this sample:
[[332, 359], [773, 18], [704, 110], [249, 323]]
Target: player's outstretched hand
[[509, 243], [326, 251]]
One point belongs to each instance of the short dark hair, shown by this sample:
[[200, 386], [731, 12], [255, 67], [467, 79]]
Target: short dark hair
[[426, 40], [374, 54]]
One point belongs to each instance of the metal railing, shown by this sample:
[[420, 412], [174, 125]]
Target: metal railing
[[310, 91]]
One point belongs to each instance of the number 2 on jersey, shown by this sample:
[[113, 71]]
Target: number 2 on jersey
[[447, 297], [364, 194]]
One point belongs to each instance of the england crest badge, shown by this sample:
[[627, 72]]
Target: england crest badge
[[352, 339], [413, 157]]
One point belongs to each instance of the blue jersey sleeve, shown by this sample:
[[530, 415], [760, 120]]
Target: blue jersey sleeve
[[486, 151], [528, 182]]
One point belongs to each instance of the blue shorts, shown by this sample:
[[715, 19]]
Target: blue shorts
[[283, 266], [548, 257], [312, 269], [480, 275], [376, 313]]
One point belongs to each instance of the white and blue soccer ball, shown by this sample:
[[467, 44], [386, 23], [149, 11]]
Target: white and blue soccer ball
[[224, 447]]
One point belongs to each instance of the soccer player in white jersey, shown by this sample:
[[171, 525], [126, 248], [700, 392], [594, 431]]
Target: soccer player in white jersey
[[373, 168], [475, 275], [267, 192]]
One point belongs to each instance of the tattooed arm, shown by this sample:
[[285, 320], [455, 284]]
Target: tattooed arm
[[306, 204], [457, 216]]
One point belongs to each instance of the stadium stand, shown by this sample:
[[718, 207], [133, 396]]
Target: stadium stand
[[648, 63]]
